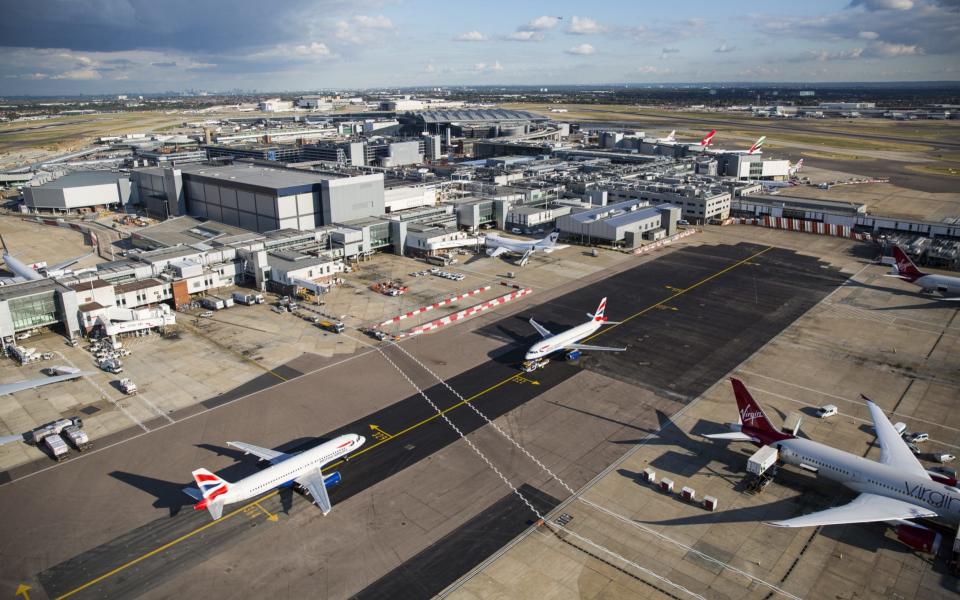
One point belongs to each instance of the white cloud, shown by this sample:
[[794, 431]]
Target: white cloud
[[429, 68], [759, 71], [582, 49], [524, 36], [824, 55], [668, 51], [888, 50], [884, 4], [584, 26], [311, 50], [724, 47], [79, 74], [651, 70], [377, 22], [487, 68], [541, 24], [868, 35], [362, 29], [470, 36]]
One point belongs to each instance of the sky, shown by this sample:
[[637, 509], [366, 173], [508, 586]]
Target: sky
[[54, 47]]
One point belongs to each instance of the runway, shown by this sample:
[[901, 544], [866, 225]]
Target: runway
[[688, 317]]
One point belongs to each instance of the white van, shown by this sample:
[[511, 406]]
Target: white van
[[827, 410]]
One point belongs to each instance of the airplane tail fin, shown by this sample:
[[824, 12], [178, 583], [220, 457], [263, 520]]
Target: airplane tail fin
[[598, 316], [708, 139], [757, 145], [751, 415], [672, 135], [551, 240], [211, 487], [799, 165], [905, 266]]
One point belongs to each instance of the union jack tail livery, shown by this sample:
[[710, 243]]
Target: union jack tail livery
[[211, 487], [598, 316], [757, 145], [708, 139], [905, 267]]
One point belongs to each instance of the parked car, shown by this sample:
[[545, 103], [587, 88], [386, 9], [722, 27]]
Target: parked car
[[206, 314], [944, 458], [917, 437], [827, 410]]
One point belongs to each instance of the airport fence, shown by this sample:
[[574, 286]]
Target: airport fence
[[433, 306], [802, 225]]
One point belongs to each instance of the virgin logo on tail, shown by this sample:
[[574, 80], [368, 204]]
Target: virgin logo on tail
[[748, 415], [708, 140]]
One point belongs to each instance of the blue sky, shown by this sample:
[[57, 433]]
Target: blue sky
[[103, 46]]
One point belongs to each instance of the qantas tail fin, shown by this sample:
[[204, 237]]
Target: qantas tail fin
[[211, 487], [757, 145], [708, 139], [751, 415], [905, 266]]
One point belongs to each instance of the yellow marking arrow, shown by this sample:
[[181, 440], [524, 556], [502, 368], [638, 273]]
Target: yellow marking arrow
[[674, 289], [521, 379], [270, 515], [379, 433], [23, 590]]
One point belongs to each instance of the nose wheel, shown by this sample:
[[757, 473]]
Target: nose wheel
[[529, 366]]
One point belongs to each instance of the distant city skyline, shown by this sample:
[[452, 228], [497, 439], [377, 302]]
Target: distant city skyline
[[62, 47]]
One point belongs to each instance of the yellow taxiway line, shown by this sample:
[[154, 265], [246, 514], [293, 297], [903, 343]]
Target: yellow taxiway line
[[392, 437]]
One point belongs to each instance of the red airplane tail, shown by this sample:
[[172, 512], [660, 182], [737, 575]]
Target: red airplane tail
[[905, 266], [752, 417], [706, 141]]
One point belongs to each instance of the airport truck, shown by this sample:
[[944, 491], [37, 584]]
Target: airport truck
[[212, 303], [761, 467], [127, 386], [54, 428], [247, 298], [331, 326]]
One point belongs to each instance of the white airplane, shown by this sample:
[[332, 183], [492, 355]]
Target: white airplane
[[302, 470], [906, 270], [754, 149], [794, 169], [497, 246], [567, 341], [894, 490], [671, 137], [24, 272]]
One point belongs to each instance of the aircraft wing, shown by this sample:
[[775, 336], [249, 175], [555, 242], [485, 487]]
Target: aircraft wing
[[67, 263], [498, 251], [543, 331], [262, 453], [526, 257], [19, 386], [893, 450], [865, 508], [313, 482], [593, 348]]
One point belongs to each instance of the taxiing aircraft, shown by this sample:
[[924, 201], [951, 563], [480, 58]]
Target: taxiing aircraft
[[25, 272], [894, 490], [302, 470], [568, 341], [707, 141], [947, 286], [498, 246]]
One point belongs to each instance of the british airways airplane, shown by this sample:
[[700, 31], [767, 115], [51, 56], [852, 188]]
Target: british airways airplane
[[894, 490], [568, 341], [302, 470]]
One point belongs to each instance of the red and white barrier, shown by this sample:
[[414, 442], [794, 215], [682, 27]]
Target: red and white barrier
[[664, 242], [467, 312], [805, 226], [424, 309]]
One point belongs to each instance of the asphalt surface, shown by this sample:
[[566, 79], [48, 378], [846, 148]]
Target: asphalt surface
[[689, 317]]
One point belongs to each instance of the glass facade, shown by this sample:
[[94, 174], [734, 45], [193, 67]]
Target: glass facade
[[34, 311], [379, 235]]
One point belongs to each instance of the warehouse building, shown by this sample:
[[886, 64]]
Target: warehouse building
[[81, 191], [471, 123], [259, 198], [626, 222]]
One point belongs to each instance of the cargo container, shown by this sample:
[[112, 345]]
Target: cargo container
[[77, 437], [58, 448], [37, 435], [762, 460], [212, 303], [666, 485]]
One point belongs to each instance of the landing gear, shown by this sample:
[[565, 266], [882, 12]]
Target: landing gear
[[529, 366]]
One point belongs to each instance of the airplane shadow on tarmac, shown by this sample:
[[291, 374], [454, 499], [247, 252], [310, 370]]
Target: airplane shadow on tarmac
[[170, 495]]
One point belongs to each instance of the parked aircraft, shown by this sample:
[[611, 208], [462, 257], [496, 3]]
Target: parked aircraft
[[302, 470], [671, 137], [754, 149], [25, 272], [794, 169], [945, 285], [497, 246], [568, 341], [894, 490]]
